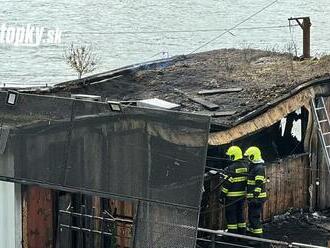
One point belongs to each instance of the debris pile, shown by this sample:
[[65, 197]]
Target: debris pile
[[300, 226]]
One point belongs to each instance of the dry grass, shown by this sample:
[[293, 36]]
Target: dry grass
[[278, 69]]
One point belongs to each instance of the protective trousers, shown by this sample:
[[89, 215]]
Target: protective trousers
[[235, 216], [254, 215]]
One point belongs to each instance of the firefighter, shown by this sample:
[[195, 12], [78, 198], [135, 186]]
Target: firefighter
[[256, 194], [233, 190]]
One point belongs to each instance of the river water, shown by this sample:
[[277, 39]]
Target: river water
[[123, 32]]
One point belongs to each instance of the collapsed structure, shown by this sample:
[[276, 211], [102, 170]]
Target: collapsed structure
[[253, 98]]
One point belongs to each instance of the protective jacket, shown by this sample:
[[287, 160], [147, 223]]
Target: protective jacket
[[235, 185], [256, 181], [234, 192], [256, 195]]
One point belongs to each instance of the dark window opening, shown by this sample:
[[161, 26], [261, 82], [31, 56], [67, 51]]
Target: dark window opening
[[283, 139]]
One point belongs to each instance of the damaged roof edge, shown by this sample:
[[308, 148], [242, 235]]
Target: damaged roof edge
[[272, 112], [101, 76], [296, 90], [118, 71]]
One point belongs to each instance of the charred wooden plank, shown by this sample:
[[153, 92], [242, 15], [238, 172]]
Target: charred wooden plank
[[219, 91], [206, 104], [217, 113], [223, 113]]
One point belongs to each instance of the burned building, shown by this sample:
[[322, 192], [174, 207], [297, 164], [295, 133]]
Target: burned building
[[253, 97]]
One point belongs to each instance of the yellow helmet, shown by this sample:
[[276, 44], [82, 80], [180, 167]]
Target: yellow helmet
[[253, 153], [235, 153]]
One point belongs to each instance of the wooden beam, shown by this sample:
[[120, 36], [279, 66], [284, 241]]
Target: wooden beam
[[217, 113], [219, 91], [206, 104], [223, 113]]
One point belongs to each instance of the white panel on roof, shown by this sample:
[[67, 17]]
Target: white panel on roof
[[157, 103], [86, 97]]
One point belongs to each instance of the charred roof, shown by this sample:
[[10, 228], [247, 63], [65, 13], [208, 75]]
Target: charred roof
[[226, 84]]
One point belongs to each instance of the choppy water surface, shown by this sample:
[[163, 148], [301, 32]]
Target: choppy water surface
[[126, 31]]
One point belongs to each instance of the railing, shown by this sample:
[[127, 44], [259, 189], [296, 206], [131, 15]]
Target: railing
[[212, 237], [216, 233]]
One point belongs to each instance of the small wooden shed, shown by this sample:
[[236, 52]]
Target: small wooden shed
[[254, 98]]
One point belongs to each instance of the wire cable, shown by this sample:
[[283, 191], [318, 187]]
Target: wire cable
[[178, 31], [234, 27]]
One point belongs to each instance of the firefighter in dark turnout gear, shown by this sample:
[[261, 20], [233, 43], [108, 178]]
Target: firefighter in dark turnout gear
[[233, 191], [256, 193]]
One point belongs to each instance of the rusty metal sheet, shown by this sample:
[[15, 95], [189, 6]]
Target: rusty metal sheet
[[38, 217]]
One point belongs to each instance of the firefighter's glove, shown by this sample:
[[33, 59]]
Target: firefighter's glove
[[256, 194]]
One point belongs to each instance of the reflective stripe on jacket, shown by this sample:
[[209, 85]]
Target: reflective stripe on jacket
[[235, 184], [256, 182]]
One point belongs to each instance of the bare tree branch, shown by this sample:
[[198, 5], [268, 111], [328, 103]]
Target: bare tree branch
[[81, 58]]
